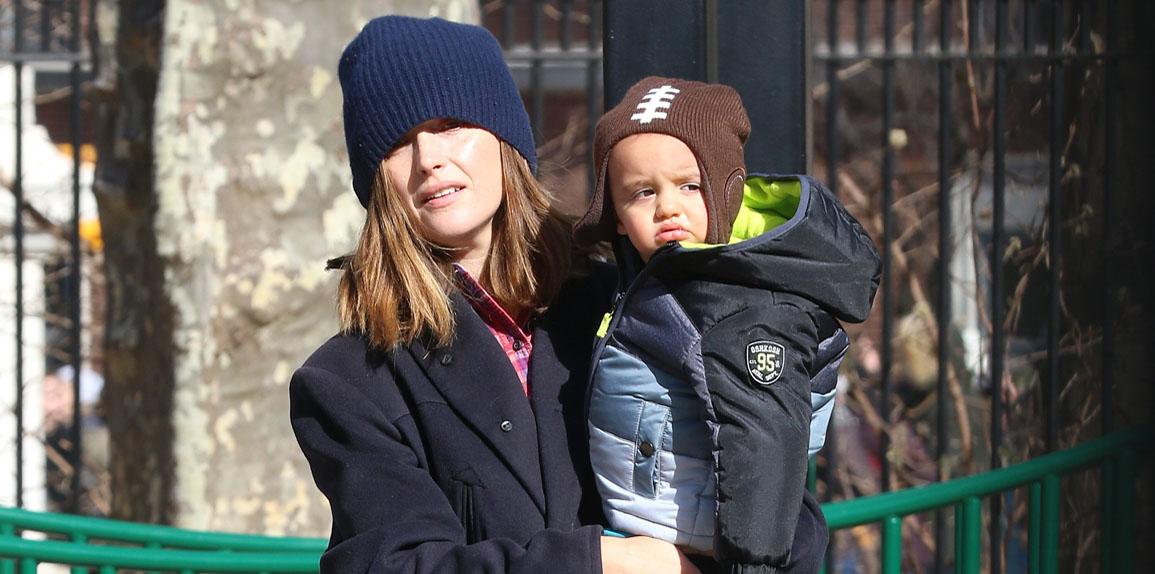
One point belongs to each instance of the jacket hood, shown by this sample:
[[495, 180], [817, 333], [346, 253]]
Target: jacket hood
[[791, 235]]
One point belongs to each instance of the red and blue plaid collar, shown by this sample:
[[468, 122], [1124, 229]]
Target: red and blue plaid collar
[[517, 344]]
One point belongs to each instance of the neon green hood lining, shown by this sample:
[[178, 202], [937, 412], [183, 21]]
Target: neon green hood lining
[[766, 204]]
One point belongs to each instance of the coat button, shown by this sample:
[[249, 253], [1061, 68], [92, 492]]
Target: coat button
[[517, 345], [446, 359], [646, 448], [506, 426]]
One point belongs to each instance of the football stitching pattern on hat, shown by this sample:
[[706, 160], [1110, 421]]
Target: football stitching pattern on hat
[[653, 102]]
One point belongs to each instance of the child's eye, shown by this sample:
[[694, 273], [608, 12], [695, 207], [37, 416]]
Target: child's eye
[[691, 187], [642, 193]]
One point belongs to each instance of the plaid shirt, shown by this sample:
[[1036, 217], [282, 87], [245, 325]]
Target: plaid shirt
[[517, 344]]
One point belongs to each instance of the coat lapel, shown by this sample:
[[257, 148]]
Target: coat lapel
[[479, 383]]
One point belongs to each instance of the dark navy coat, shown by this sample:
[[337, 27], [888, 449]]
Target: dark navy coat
[[433, 460]]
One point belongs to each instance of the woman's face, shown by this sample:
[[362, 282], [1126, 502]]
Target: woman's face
[[449, 176]]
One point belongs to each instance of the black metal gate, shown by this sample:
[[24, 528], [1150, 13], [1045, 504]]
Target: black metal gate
[[554, 50], [977, 139], [45, 36]]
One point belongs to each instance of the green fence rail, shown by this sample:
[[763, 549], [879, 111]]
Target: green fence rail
[[87, 528], [1115, 454], [110, 545], [29, 554], [100, 543]]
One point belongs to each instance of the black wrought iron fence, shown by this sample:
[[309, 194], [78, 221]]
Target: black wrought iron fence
[[554, 50], [44, 35], [977, 140]]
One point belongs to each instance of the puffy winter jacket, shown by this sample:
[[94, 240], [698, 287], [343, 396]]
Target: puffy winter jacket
[[716, 369]]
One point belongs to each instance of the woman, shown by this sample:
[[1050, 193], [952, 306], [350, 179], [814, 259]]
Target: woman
[[445, 423]]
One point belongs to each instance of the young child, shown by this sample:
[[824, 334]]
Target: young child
[[724, 330]]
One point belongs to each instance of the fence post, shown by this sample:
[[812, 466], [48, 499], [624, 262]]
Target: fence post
[[969, 554], [1107, 520], [7, 565], [1123, 548], [757, 46], [763, 51], [892, 545], [633, 47], [1034, 531], [1049, 535]]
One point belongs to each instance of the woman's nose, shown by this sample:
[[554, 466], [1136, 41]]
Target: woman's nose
[[428, 151]]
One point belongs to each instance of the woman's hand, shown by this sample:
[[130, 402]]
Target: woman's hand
[[643, 555]]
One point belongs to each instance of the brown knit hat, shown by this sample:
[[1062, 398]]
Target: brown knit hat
[[708, 118]]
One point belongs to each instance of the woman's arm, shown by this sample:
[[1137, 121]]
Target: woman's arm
[[388, 513]]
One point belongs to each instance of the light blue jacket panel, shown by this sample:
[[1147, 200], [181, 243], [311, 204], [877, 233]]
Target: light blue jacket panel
[[648, 429], [665, 490]]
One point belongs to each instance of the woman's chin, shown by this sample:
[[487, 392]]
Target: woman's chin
[[458, 237]]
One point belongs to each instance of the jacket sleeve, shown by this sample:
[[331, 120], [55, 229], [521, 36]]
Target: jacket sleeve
[[388, 513], [757, 366]]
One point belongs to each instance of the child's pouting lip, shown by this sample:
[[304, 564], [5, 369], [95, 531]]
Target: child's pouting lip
[[672, 232]]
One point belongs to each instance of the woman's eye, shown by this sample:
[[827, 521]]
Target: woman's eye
[[401, 147], [450, 125]]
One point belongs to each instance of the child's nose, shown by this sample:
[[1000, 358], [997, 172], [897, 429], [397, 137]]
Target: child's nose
[[668, 206]]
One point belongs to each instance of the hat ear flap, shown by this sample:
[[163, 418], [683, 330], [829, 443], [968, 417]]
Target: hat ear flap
[[600, 222], [728, 203]]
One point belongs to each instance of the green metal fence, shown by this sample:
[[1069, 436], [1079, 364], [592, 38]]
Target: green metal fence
[[85, 528], [1116, 456], [110, 545], [29, 554]]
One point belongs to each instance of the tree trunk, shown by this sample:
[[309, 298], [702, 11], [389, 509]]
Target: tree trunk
[[223, 187], [138, 346]]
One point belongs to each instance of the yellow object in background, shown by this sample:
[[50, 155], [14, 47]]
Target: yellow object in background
[[90, 233], [87, 152]]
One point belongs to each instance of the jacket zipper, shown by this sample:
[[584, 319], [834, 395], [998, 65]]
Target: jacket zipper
[[615, 316]]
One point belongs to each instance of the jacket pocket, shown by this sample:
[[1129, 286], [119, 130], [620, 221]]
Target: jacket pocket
[[649, 443], [464, 487]]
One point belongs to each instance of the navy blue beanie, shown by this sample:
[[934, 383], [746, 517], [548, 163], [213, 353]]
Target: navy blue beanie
[[400, 72]]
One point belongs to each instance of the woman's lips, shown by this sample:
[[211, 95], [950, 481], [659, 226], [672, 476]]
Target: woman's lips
[[441, 197]]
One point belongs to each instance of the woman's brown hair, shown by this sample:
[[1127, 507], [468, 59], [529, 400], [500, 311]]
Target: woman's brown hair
[[396, 284]]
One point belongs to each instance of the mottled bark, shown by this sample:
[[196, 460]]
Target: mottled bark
[[138, 346], [223, 186], [253, 195]]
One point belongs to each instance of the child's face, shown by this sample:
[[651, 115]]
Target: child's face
[[656, 188]]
